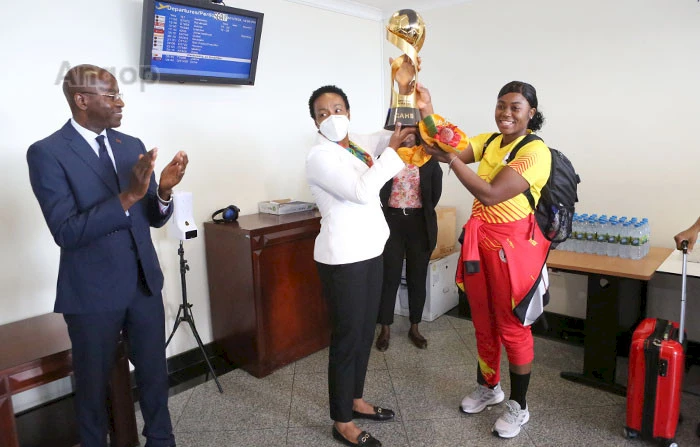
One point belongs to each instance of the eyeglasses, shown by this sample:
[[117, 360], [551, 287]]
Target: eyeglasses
[[113, 96]]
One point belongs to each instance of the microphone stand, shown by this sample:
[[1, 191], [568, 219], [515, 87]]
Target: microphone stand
[[185, 310]]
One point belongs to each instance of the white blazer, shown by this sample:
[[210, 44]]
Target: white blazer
[[346, 191]]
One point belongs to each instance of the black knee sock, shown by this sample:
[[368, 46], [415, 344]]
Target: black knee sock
[[518, 388]]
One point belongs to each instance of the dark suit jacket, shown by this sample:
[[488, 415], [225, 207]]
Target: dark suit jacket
[[430, 189], [100, 244]]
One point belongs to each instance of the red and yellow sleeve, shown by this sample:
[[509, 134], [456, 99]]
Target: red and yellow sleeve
[[533, 162]]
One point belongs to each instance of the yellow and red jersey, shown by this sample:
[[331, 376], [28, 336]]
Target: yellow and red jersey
[[533, 161]]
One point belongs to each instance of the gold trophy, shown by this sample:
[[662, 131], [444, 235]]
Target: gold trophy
[[406, 31]]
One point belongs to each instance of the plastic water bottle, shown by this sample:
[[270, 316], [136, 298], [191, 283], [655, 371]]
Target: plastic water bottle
[[646, 236], [566, 245], [595, 225], [574, 233], [635, 241], [602, 237], [578, 244], [625, 234], [578, 241], [585, 228], [591, 235], [606, 235], [630, 234], [613, 246]]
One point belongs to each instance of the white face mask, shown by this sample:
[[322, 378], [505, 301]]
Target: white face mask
[[335, 127]]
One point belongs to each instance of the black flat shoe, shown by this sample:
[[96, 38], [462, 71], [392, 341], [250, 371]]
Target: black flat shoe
[[365, 439], [382, 342], [380, 414], [418, 340]]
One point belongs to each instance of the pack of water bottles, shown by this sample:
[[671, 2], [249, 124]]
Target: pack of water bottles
[[609, 236]]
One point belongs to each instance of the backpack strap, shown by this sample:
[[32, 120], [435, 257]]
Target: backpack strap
[[528, 139], [486, 145]]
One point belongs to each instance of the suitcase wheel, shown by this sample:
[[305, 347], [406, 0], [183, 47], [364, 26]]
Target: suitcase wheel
[[631, 434]]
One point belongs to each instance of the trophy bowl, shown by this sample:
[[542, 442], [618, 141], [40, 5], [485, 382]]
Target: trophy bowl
[[408, 25]]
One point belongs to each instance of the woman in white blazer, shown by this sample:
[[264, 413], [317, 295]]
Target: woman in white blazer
[[345, 174]]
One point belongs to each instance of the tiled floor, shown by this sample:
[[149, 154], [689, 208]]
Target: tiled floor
[[425, 387]]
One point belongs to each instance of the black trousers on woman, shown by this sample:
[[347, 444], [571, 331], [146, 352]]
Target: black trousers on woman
[[409, 239], [352, 293]]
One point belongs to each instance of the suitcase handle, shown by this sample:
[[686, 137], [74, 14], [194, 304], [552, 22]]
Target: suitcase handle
[[684, 277], [668, 332]]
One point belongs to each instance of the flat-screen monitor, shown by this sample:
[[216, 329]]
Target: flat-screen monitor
[[199, 41]]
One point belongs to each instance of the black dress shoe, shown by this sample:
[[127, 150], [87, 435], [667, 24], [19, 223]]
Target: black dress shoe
[[365, 439], [418, 339], [380, 414]]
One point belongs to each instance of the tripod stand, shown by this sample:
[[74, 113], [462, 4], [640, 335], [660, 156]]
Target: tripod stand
[[187, 315]]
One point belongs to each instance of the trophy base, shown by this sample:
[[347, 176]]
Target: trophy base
[[407, 116]]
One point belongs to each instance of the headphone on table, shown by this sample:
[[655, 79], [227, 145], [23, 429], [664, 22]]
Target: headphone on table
[[228, 214]]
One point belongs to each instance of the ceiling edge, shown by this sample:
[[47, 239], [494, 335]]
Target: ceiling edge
[[347, 7]]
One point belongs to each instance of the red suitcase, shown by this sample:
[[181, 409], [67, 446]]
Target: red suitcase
[[656, 369]]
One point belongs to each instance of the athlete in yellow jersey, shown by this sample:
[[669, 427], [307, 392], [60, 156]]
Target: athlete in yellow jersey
[[503, 252]]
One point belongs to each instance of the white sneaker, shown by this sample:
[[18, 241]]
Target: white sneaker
[[480, 398], [508, 425]]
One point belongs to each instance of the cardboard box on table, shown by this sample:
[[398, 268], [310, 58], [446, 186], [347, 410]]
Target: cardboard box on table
[[447, 231]]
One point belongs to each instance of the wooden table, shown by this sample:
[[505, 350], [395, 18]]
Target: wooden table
[[617, 291], [36, 351]]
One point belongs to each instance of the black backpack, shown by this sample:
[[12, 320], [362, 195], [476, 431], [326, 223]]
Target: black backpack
[[555, 209]]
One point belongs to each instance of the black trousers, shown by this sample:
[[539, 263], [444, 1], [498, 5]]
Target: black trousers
[[94, 341], [352, 294], [409, 239]]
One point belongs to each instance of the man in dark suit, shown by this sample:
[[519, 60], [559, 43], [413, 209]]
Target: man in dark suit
[[99, 196]]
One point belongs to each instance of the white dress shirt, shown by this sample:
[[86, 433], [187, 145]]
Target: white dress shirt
[[346, 191], [91, 138]]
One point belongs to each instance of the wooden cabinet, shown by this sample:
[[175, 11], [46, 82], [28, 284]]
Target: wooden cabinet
[[267, 309]]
